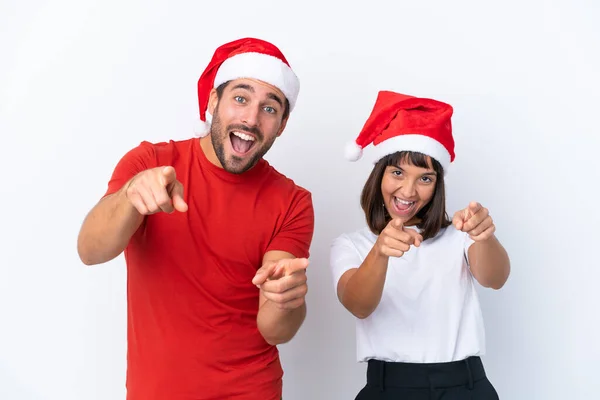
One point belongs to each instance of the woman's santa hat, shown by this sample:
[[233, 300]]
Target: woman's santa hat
[[400, 122], [245, 58]]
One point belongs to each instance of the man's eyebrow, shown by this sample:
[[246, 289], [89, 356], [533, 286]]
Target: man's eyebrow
[[243, 86], [273, 96]]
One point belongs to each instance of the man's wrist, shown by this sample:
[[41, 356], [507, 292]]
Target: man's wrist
[[125, 202]]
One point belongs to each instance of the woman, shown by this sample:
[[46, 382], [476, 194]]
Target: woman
[[408, 277]]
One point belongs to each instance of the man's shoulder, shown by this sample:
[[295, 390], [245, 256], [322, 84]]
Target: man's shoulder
[[285, 184], [171, 144], [167, 152]]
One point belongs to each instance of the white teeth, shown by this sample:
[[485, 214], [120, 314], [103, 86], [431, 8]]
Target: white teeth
[[244, 136], [408, 203]]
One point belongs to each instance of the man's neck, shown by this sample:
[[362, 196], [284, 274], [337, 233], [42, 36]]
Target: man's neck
[[209, 151]]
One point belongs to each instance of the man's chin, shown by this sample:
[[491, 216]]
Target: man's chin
[[238, 165]]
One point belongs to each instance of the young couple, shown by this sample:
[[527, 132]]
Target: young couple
[[217, 242]]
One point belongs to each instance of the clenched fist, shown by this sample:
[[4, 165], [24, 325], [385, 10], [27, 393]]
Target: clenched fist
[[476, 221], [156, 190], [395, 240]]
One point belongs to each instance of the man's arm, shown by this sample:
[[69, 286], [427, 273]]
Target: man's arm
[[107, 229], [282, 306]]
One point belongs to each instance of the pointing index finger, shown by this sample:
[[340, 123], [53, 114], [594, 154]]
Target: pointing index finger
[[263, 273], [294, 265], [397, 223], [474, 207], [168, 175]]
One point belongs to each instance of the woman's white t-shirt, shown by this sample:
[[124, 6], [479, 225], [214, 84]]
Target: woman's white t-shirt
[[429, 310]]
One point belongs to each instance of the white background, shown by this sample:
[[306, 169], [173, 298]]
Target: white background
[[83, 81]]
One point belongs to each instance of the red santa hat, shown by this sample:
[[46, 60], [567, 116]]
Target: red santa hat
[[400, 122], [245, 58]]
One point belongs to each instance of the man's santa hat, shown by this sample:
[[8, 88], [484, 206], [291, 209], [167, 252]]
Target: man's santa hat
[[245, 58], [400, 122]]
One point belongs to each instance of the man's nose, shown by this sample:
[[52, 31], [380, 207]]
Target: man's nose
[[250, 116]]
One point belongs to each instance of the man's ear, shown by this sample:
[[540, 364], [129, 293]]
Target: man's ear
[[282, 127], [213, 99]]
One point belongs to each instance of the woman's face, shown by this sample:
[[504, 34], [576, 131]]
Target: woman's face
[[406, 189]]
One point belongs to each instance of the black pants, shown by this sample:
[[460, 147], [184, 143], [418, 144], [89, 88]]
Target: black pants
[[459, 380]]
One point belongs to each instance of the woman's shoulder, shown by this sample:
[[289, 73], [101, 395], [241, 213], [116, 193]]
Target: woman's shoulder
[[353, 245], [357, 237]]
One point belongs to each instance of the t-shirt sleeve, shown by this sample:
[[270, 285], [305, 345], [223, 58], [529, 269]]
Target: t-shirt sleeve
[[296, 233], [467, 243], [343, 256], [136, 160]]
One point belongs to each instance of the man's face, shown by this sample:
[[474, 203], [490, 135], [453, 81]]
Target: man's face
[[246, 121]]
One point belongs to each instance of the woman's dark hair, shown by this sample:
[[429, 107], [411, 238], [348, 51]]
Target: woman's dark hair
[[432, 217]]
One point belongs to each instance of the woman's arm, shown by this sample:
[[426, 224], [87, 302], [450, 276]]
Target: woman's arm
[[360, 289], [488, 259], [490, 264]]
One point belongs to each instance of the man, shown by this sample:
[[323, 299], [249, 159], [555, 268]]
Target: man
[[215, 239]]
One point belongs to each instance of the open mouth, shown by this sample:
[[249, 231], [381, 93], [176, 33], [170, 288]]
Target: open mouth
[[403, 207], [241, 142]]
